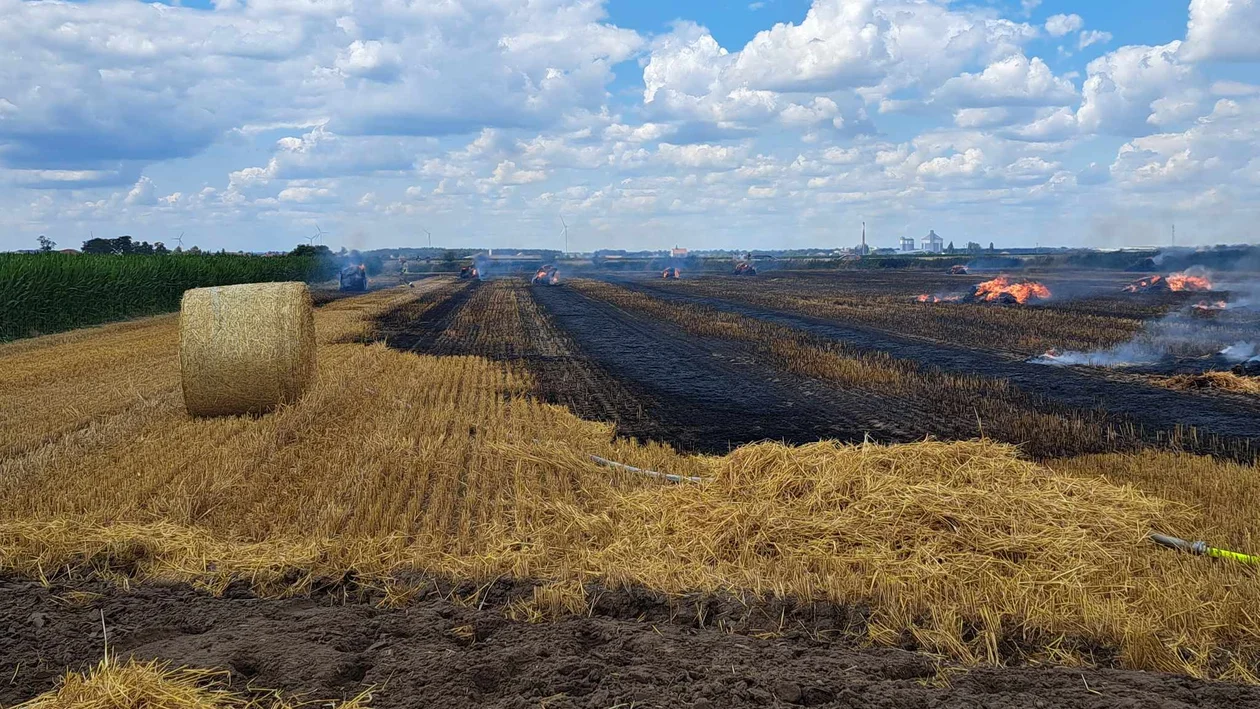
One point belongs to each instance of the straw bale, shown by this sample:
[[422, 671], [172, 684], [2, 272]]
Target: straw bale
[[245, 348]]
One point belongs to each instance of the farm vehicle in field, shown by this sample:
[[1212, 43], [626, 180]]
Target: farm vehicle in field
[[958, 270], [468, 272], [671, 272], [352, 278], [745, 269], [546, 276]]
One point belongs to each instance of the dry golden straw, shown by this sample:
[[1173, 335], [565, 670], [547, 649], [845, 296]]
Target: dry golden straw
[[394, 463], [115, 684], [245, 349], [1222, 381]]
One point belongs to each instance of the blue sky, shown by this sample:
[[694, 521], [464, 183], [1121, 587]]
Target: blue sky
[[245, 124]]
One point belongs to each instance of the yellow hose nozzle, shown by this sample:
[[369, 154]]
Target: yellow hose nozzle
[[1202, 549]]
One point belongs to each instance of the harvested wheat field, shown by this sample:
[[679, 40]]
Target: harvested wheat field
[[436, 523]]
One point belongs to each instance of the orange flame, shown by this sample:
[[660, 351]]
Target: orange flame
[[1214, 305], [990, 291], [1142, 284], [938, 298], [1180, 281], [1186, 282]]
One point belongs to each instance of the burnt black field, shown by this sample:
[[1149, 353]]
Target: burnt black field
[[656, 381]]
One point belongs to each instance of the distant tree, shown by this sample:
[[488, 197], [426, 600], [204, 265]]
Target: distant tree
[[98, 246], [309, 250], [950, 248], [194, 250], [119, 246], [178, 249], [991, 249], [160, 249], [449, 256], [46, 245], [143, 248], [973, 247]]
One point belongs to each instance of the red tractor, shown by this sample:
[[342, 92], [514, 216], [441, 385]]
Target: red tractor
[[745, 269]]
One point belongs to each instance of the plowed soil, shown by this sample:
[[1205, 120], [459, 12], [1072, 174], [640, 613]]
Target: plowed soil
[[437, 653]]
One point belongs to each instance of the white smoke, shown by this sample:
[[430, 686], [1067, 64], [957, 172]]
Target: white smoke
[[1129, 354], [1179, 333], [1241, 352]]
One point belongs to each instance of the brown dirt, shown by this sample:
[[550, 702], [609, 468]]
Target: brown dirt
[[635, 650]]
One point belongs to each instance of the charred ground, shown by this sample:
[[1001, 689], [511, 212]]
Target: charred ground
[[656, 380]]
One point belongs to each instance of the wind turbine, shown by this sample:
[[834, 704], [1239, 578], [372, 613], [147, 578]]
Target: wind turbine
[[310, 240], [427, 233], [180, 240], [319, 233], [566, 235]]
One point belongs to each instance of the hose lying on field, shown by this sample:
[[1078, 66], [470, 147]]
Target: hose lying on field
[[1202, 549], [650, 473]]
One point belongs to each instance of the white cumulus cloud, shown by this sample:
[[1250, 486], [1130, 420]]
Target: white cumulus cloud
[[1227, 30], [1090, 37], [1059, 25], [1013, 81]]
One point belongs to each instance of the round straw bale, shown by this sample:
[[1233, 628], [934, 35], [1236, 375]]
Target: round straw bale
[[245, 349]]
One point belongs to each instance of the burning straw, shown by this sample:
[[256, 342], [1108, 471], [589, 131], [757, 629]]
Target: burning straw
[[1195, 279], [1003, 289], [1198, 330]]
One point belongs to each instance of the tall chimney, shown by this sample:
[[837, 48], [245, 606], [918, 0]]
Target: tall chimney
[[864, 236]]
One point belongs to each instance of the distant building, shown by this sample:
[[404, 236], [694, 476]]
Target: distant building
[[932, 243], [677, 252], [907, 243], [863, 249]]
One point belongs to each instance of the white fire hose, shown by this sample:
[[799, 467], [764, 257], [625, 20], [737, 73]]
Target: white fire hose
[[650, 473]]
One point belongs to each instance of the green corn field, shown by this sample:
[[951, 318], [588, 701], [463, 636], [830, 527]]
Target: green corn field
[[46, 293]]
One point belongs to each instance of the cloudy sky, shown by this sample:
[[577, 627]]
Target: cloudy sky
[[246, 124]]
